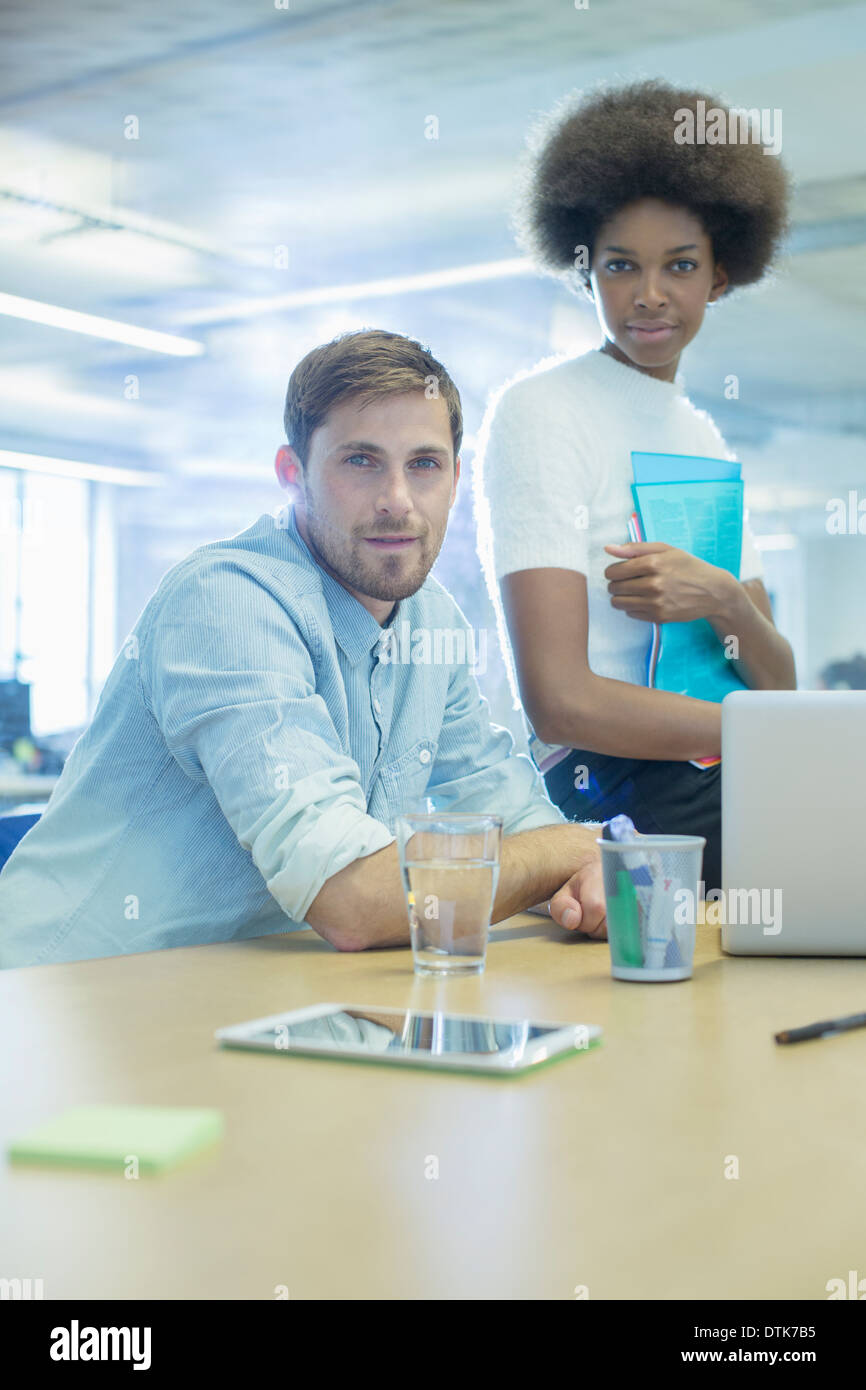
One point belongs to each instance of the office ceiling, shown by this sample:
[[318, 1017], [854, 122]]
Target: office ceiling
[[284, 150]]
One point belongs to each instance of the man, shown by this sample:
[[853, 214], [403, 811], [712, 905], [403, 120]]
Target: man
[[261, 730]]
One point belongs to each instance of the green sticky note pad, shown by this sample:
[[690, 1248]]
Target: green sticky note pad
[[112, 1136]]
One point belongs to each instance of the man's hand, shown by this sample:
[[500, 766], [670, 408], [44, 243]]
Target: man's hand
[[658, 583], [579, 904]]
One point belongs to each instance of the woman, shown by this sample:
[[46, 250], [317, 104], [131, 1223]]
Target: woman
[[653, 230]]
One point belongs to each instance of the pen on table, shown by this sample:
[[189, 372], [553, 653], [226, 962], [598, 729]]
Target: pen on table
[[822, 1030]]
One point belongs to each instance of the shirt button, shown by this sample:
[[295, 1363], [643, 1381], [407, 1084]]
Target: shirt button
[[377, 707], [424, 755]]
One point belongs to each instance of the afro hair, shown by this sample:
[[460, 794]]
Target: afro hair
[[598, 152]]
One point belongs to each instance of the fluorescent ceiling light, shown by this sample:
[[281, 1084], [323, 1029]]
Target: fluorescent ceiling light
[[366, 289], [75, 468], [252, 470], [782, 541], [23, 222], [23, 388], [55, 317]]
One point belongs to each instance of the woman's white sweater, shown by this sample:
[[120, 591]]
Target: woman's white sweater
[[553, 478]]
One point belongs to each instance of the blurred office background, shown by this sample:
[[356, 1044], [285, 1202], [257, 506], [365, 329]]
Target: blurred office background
[[223, 184]]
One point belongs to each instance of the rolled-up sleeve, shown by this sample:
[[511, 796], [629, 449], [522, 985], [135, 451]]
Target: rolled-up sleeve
[[477, 769], [230, 680]]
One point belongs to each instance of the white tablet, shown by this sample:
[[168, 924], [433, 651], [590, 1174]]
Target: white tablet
[[456, 1042]]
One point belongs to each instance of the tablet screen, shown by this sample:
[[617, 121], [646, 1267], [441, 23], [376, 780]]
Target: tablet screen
[[402, 1032]]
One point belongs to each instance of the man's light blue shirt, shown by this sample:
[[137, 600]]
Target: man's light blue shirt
[[258, 732]]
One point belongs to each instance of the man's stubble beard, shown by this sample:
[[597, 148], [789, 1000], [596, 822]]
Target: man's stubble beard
[[349, 566]]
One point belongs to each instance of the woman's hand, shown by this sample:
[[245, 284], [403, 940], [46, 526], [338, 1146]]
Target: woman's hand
[[658, 583]]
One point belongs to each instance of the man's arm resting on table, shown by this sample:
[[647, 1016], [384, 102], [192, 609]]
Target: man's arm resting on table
[[364, 904]]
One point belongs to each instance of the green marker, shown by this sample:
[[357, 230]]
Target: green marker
[[623, 918]]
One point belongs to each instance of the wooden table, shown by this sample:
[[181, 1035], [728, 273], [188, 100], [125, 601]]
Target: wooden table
[[605, 1170]]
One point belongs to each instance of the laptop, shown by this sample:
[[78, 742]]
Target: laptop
[[794, 823]]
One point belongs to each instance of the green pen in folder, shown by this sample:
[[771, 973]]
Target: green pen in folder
[[623, 919]]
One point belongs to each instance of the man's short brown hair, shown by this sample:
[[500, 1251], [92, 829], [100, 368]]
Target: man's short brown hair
[[367, 364]]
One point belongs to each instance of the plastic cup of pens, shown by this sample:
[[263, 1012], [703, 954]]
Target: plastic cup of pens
[[651, 893]]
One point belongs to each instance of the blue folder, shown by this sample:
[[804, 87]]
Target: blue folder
[[697, 507], [686, 468]]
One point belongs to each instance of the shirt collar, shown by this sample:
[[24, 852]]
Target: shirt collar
[[355, 629]]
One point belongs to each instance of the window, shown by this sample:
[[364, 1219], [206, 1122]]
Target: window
[[56, 621]]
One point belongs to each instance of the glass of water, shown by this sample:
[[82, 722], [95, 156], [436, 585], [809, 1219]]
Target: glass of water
[[450, 867]]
